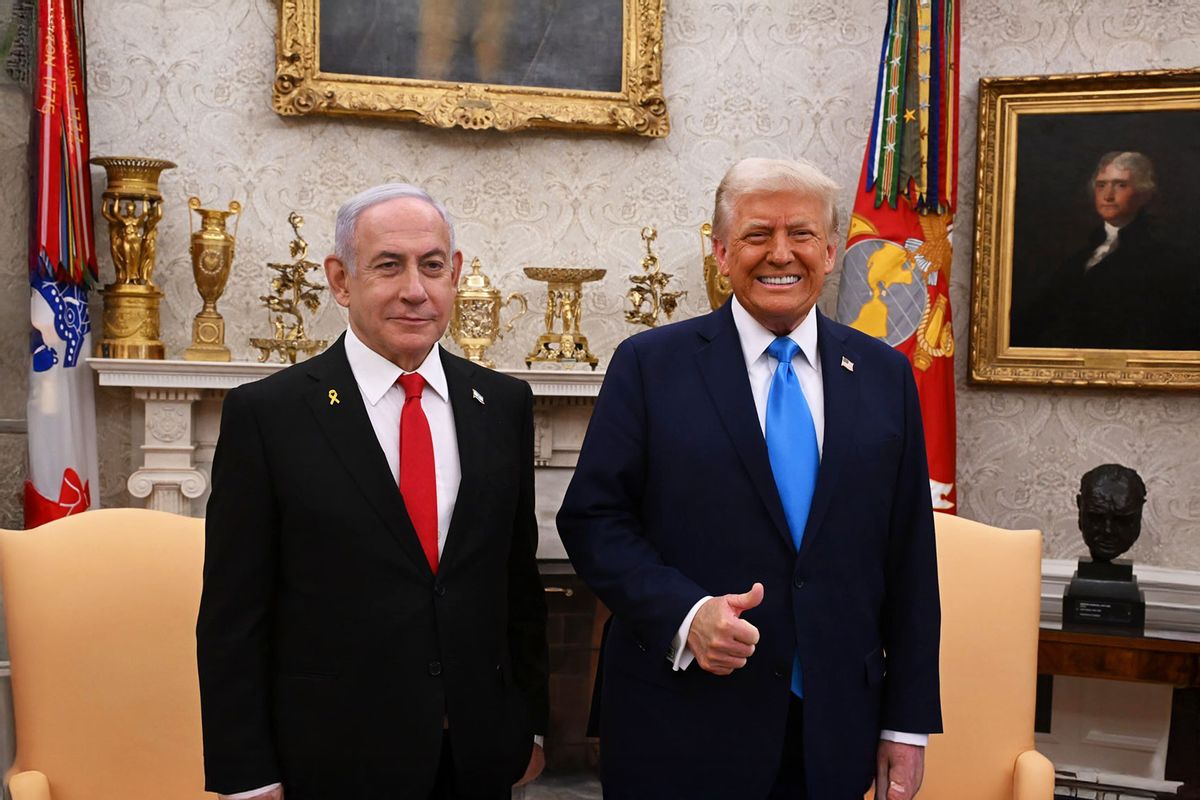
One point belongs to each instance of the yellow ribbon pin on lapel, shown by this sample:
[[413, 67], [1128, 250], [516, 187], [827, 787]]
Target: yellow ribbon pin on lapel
[[333, 398]]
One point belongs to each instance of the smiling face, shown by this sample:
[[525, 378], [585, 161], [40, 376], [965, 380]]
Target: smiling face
[[776, 253], [401, 292], [1117, 201]]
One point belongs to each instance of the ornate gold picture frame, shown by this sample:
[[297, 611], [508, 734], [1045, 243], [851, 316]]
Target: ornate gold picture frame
[[588, 65], [1060, 297]]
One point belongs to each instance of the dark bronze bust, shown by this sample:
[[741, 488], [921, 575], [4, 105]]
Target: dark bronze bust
[[1103, 596], [1110, 504]]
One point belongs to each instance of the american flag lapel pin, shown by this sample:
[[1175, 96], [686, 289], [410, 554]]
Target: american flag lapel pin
[[847, 364], [478, 397]]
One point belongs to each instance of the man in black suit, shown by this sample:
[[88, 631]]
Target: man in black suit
[[752, 503], [1127, 288], [372, 623]]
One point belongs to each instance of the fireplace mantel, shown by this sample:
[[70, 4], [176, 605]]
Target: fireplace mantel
[[182, 401]]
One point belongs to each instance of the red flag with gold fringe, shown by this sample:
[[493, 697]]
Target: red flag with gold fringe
[[895, 282], [61, 413]]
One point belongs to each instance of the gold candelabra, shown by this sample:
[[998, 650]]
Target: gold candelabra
[[291, 293], [648, 295]]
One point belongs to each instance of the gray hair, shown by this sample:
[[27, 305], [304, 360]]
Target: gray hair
[[352, 209], [1140, 168], [771, 175]]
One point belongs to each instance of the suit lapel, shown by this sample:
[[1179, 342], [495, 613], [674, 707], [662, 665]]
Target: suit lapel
[[337, 405], [841, 409], [723, 367], [470, 417]]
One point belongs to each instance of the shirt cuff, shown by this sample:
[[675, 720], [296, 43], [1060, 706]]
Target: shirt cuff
[[252, 793], [539, 740], [918, 739], [680, 655]]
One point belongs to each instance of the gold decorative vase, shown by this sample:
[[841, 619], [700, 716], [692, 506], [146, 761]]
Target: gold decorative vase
[[716, 285], [564, 303], [132, 205], [212, 257], [475, 321]]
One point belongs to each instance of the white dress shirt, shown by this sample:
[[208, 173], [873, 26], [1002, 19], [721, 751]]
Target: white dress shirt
[[760, 368], [1107, 246], [384, 400]]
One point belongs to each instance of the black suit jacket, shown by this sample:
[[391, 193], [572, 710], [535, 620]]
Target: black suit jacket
[[329, 653], [673, 499]]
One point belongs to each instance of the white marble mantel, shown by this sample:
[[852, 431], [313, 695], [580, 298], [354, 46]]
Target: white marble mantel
[[182, 403]]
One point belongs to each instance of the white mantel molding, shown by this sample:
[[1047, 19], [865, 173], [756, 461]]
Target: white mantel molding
[[1172, 597], [182, 401], [176, 374]]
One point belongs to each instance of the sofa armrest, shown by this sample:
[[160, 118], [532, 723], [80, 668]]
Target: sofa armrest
[[1033, 778], [29, 785]]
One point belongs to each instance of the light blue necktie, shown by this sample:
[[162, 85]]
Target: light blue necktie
[[792, 449]]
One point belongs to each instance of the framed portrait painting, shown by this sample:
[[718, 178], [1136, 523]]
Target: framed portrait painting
[[1087, 231], [500, 64]]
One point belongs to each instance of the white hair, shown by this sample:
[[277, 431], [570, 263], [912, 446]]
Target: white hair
[[752, 175], [1140, 168], [347, 216]]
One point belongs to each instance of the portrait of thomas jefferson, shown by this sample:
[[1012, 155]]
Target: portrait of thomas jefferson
[[1127, 286]]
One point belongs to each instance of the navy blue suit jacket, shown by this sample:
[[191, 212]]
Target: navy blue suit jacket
[[673, 499]]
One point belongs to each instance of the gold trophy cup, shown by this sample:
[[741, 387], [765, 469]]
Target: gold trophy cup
[[475, 322], [132, 204], [564, 302], [212, 256]]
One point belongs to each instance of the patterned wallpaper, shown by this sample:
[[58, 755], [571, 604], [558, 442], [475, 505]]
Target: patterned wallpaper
[[190, 82]]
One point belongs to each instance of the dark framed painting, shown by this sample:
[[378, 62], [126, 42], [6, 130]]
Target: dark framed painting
[[1087, 239], [500, 64]]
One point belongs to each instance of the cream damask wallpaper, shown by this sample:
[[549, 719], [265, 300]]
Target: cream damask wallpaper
[[190, 81]]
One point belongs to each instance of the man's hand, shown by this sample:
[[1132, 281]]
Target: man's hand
[[898, 770], [537, 763], [271, 794], [719, 639]]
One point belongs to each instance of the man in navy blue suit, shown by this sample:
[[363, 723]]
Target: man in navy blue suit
[[752, 503]]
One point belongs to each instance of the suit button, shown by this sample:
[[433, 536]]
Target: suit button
[[778, 673], [798, 583], [435, 668], [439, 589]]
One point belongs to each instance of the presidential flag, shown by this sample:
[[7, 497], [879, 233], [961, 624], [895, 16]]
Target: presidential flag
[[896, 273], [61, 413]]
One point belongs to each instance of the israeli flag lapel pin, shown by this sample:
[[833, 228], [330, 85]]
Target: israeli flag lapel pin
[[478, 397]]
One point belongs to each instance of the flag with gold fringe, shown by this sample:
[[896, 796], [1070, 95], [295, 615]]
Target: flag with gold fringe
[[895, 282], [61, 413]]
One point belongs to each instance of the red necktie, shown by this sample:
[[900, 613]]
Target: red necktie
[[418, 482]]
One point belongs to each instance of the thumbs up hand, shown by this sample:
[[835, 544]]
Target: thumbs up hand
[[719, 639]]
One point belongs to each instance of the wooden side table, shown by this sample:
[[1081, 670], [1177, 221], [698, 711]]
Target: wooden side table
[[1143, 659]]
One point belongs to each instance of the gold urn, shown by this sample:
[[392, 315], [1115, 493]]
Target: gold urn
[[132, 204], [716, 285], [212, 257], [475, 321]]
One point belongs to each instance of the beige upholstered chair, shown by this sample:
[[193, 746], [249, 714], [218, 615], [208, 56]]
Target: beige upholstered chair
[[991, 586], [101, 610]]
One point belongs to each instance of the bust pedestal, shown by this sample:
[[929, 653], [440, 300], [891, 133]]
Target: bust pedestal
[[1103, 597]]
